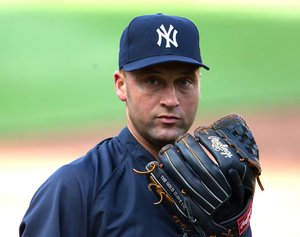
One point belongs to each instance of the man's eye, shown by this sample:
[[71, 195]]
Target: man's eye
[[152, 81], [185, 82]]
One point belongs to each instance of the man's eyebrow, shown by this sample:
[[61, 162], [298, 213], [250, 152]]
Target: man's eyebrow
[[189, 73]]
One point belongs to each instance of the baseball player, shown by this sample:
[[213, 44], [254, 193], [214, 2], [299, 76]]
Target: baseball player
[[101, 194]]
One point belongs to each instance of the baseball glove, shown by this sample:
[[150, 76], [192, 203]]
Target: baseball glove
[[207, 181]]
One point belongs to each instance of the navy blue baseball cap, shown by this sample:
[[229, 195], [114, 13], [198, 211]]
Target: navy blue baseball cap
[[159, 38]]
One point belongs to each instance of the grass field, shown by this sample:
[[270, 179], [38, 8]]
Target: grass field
[[56, 66]]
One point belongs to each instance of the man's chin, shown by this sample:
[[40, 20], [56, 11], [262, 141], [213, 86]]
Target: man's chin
[[167, 137]]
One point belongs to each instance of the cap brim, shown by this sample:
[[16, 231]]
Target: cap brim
[[146, 62]]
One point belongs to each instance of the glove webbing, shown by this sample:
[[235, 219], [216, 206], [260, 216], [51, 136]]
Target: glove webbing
[[244, 136]]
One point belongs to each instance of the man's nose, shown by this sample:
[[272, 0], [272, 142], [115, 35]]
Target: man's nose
[[169, 97]]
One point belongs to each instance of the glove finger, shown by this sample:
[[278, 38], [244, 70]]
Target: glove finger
[[237, 187], [175, 167], [184, 203], [203, 166]]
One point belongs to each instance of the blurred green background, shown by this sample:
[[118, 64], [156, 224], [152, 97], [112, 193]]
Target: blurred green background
[[57, 63]]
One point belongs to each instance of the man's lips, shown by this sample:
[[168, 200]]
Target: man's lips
[[168, 119]]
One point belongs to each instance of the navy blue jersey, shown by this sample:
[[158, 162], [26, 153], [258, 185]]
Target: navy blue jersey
[[99, 195]]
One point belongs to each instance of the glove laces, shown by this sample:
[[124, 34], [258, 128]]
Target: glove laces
[[191, 218]]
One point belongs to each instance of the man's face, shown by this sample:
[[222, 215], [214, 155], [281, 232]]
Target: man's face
[[161, 101]]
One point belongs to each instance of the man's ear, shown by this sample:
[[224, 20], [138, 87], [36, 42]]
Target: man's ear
[[120, 85]]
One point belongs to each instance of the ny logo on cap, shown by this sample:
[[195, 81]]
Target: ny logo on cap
[[162, 33]]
